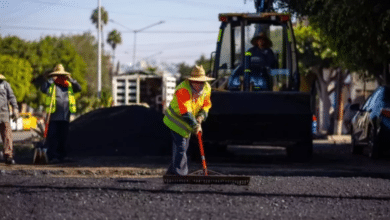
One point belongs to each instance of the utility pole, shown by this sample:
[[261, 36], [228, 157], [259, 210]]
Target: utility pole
[[135, 39], [99, 67]]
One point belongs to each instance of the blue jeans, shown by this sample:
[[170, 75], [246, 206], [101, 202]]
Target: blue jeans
[[56, 139], [179, 165]]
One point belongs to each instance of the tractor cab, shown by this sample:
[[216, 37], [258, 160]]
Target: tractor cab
[[239, 65]]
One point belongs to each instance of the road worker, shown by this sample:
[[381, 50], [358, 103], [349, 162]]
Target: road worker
[[188, 109], [7, 96], [60, 104], [259, 59]]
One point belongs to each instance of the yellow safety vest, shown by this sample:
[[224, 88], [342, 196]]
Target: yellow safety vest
[[52, 94], [173, 118]]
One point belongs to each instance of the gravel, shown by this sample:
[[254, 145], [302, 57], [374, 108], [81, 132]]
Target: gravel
[[291, 197]]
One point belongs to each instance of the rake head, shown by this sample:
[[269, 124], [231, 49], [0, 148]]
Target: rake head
[[210, 179]]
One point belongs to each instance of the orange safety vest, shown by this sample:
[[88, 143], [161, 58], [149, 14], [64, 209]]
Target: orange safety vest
[[183, 103]]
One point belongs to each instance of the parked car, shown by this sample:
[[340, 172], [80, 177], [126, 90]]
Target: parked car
[[29, 121], [371, 124]]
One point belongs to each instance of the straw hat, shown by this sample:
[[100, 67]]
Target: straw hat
[[2, 77], [59, 70], [198, 74], [263, 36]]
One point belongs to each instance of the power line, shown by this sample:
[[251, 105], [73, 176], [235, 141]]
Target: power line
[[39, 28], [124, 13], [60, 29]]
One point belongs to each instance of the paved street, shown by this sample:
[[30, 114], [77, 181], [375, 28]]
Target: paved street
[[333, 185], [20, 136]]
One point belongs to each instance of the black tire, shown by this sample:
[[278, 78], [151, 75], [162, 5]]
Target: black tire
[[373, 144], [300, 152], [355, 148]]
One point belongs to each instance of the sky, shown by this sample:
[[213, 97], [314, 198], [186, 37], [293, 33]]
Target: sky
[[189, 28]]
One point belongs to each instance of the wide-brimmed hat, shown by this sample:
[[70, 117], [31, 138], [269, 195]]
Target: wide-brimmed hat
[[2, 76], [198, 74], [59, 70], [263, 36]]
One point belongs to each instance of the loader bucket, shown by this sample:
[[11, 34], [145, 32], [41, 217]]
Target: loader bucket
[[274, 118]]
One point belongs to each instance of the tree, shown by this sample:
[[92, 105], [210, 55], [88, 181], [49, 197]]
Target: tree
[[356, 30], [86, 46], [103, 16], [205, 63], [43, 56], [184, 69], [103, 19], [18, 72], [114, 38], [316, 57]]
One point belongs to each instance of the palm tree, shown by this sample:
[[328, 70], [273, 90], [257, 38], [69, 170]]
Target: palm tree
[[103, 17], [114, 38], [103, 14]]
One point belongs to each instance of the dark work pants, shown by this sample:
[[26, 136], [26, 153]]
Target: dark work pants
[[56, 139], [179, 165]]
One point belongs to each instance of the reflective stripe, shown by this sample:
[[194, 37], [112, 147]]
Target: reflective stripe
[[247, 71], [174, 114], [52, 97], [177, 121], [219, 35]]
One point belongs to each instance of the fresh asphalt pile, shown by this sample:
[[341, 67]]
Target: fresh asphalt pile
[[119, 131]]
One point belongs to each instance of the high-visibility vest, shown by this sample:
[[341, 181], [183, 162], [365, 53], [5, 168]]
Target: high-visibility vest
[[173, 118], [52, 95]]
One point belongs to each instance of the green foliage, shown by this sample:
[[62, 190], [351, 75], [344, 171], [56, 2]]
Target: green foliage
[[114, 38], [18, 73], [103, 16], [87, 104], [357, 30], [313, 48], [184, 69], [86, 46], [43, 56], [205, 63]]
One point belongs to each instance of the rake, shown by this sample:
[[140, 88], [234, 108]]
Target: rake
[[206, 176], [40, 156]]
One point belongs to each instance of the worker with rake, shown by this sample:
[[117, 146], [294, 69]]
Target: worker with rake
[[60, 103], [188, 109]]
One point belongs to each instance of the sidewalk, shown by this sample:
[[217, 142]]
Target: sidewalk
[[335, 139]]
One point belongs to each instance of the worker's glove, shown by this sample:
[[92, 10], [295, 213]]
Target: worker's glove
[[200, 119], [198, 128], [15, 114]]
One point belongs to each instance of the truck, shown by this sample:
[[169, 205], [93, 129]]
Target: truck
[[257, 108], [153, 91]]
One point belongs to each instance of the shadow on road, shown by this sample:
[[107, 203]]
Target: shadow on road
[[29, 189]]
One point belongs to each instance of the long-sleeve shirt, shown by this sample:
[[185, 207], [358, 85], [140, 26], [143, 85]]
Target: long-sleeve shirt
[[62, 112], [192, 108], [6, 96]]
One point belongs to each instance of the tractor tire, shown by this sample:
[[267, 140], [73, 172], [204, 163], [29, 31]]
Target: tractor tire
[[300, 152], [373, 144], [355, 148]]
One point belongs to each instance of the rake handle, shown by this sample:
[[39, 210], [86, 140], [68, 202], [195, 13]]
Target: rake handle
[[48, 116], [202, 153]]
